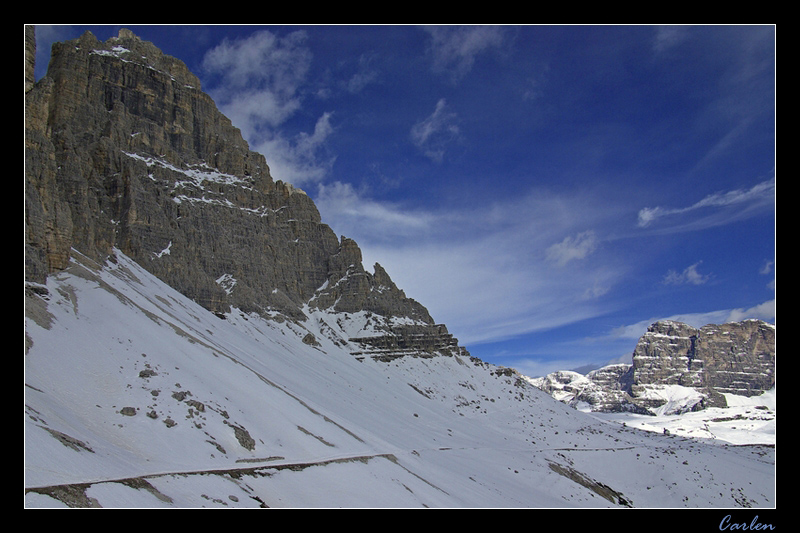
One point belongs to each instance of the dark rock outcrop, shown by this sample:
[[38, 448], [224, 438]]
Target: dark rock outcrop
[[414, 340], [125, 153]]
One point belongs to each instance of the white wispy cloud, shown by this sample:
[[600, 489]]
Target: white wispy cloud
[[714, 209], [365, 75], [455, 48], [436, 131], [302, 159], [484, 269], [572, 247], [690, 275], [259, 83], [495, 270], [352, 212], [259, 77]]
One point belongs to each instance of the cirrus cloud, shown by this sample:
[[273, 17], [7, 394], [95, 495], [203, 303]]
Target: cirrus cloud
[[722, 207]]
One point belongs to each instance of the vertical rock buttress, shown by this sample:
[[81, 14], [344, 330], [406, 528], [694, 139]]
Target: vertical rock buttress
[[124, 151]]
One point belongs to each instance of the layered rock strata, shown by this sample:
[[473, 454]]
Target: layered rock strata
[[414, 340], [125, 152], [735, 358], [714, 360]]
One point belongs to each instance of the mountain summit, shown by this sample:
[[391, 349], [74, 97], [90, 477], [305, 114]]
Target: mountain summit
[[196, 336], [126, 152]]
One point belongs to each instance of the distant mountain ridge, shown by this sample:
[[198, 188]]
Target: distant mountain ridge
[[714, 360]]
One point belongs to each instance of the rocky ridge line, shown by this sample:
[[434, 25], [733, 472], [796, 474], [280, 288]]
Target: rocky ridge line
[[125, 152], [732, 358]]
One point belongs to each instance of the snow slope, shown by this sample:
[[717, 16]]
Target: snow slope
[[745, 421], [138, 397]]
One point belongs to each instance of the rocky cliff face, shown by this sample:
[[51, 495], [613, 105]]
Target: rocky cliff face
[[733, 358], [124, 151], [736, 358]]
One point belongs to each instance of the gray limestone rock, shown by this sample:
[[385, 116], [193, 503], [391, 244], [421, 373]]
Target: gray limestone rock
[[736, 358], [125, 152], [733, 358], [418, 340]]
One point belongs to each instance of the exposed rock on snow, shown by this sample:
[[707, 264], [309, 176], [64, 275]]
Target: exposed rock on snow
[[676, 368], [696, 382], [733, 358], [195, 336], [243, 413]]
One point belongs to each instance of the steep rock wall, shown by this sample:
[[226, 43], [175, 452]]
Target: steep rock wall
[[736, 358], [717, 359], [124, 151]]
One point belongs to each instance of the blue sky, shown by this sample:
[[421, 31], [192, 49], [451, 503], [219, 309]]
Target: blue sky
[[545, 191]]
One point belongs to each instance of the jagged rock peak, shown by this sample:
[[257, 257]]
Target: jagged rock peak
[[130, 48], [350, 289], [155, 103], [125, 153]]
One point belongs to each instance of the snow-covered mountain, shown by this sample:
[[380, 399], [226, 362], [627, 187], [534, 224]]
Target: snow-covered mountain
[[137, 396], [717, 382], [745, 419], [196, 336]]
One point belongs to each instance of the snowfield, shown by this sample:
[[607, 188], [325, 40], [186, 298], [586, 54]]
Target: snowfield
[[138, 397], [746, 420]]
